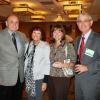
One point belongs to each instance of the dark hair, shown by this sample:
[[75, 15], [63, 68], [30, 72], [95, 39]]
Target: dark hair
[[35, 29], [60, 28]]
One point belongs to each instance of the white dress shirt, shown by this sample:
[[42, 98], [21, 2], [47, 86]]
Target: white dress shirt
[[85, 38]]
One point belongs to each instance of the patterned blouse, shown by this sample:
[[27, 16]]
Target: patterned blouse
[[63, 52]]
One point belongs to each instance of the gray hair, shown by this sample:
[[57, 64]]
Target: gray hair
[[86, 15]]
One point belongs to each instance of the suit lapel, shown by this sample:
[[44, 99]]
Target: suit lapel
[[20, 44], [9, 40], [77, 44], [87, 45]]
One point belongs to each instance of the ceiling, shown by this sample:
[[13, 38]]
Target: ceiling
[[52, 10]]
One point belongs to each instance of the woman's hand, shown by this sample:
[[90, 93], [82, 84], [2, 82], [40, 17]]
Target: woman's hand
[[44, 86], [62, 65], [58, 64]]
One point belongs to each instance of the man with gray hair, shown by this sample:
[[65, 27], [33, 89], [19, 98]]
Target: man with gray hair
[[11, 60], [87, 78]]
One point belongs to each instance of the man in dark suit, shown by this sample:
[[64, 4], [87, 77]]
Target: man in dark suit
[[87, 78], [11, 60]]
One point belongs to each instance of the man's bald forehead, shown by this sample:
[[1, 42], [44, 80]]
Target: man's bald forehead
[[12, 16]]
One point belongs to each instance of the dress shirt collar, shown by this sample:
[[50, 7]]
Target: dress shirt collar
[[87, 35], [10, 32]]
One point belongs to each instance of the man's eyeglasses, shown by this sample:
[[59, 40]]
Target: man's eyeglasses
[[84, 21]]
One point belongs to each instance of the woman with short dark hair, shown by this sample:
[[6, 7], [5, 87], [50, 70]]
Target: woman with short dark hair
[[37, 65]]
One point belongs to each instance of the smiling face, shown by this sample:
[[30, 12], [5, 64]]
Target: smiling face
[[36, 36], [57, 34], [12, 23], [84, 23]]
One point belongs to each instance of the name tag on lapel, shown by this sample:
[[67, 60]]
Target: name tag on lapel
[[89, 52]]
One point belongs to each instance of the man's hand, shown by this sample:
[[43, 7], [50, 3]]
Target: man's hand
[[80, 68]]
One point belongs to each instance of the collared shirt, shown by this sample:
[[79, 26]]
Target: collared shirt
[[85, 38], [41, 61], [17, 40]]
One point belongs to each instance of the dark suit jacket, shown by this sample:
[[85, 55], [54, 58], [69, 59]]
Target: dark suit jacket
[[91, 58]]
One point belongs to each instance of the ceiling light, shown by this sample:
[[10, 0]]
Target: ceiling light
[[4, 2], [37, 20], [24, 2], [40, 12], [73, 15], [72, 7], [69, 2], [35, 17], [23, 9], [59, 18]]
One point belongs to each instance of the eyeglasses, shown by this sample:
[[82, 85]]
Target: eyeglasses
[[84, 21]]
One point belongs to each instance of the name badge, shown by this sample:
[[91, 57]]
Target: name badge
[[89, 52]]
